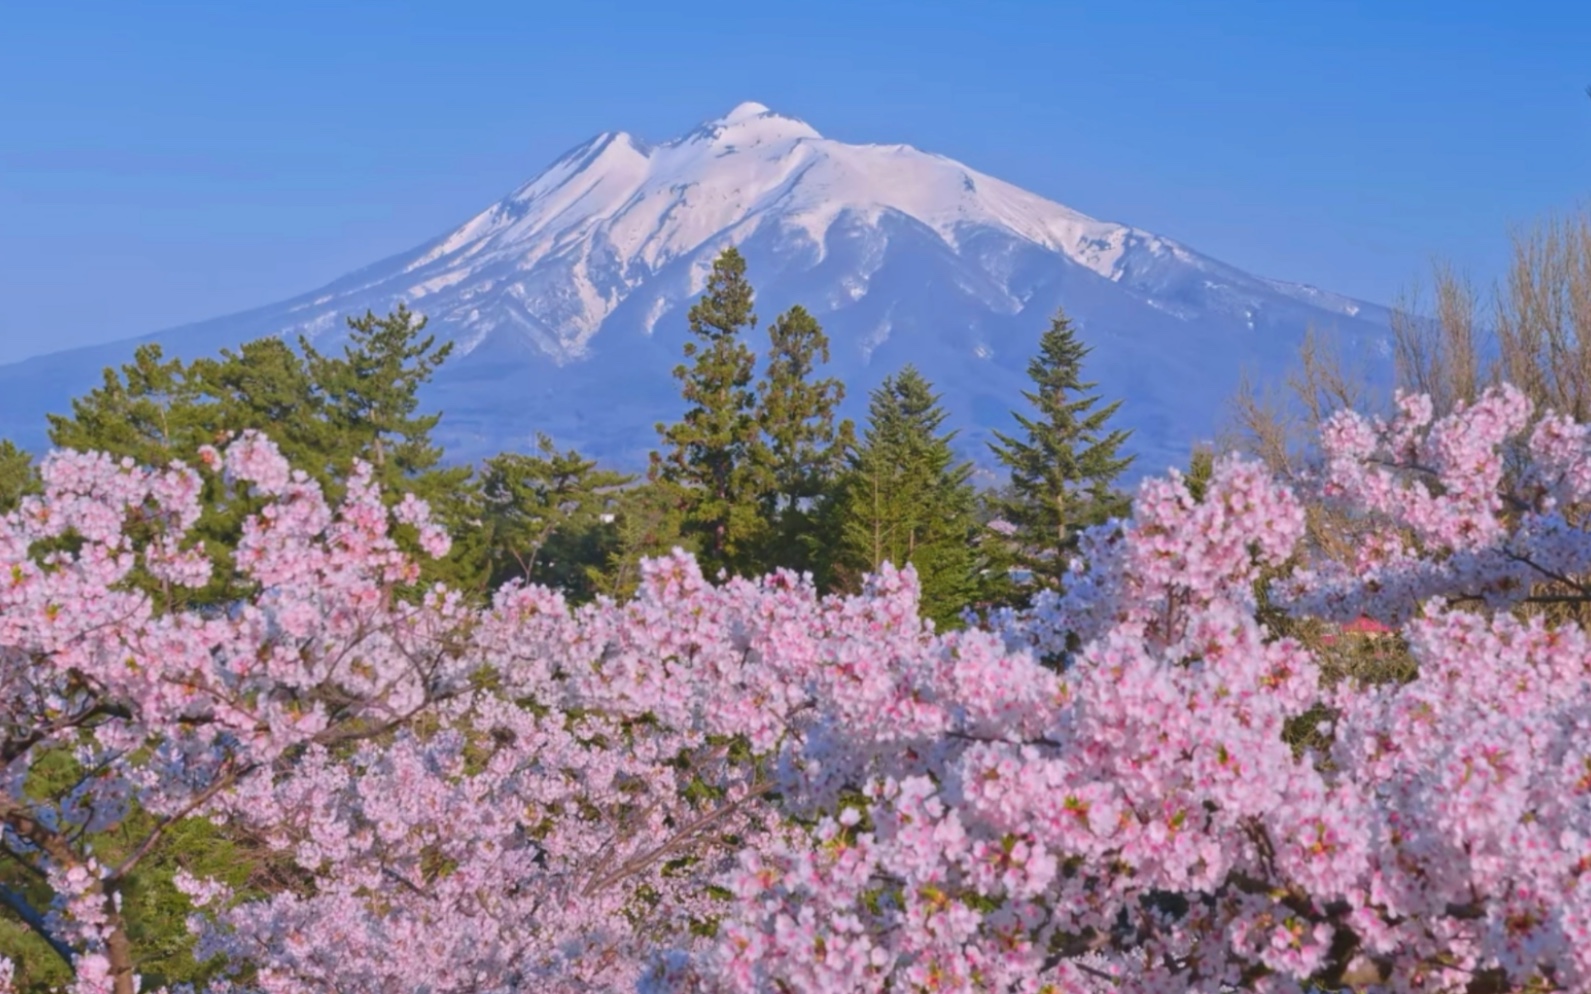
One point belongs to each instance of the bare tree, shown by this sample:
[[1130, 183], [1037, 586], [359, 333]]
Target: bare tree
[[1535, 334]]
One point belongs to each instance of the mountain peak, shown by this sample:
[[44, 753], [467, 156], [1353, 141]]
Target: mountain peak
[[745, 112], [752, 123], [567, 298]]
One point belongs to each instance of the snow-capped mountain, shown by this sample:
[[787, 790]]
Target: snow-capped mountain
[[567, 298]]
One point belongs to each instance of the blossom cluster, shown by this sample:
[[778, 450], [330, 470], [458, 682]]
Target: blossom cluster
[[747, 786]]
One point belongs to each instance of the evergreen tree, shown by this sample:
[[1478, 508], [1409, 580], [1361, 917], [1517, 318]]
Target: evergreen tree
[[710, 458], [648, 522], [371, 394], [266, 386], [369, 401], [550, 516], [1201, 466], [151, 411], [18, 477], [322, 412], [157, 410], [907, 499], [1065, 464], [801, 449]]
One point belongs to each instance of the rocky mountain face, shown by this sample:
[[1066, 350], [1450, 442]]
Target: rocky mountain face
[[567, 298]]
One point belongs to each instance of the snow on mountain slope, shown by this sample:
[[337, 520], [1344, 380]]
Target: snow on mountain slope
[[566, 299]]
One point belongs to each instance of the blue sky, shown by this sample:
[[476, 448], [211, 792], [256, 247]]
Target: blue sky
[[168, 162]]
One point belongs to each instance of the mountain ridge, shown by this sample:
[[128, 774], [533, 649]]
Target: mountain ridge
[[565, 298]]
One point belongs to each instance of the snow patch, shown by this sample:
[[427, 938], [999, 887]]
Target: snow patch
[[654, 313]]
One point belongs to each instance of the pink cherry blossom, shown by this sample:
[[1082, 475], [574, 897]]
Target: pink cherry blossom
[[745, 786]]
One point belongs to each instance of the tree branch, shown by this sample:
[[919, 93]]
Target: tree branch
[[32, 919]]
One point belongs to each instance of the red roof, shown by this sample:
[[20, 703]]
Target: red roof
[[1358, 626], [1366, 626]]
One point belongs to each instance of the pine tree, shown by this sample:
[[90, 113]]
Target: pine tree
[[907, 499], [801, 449], [1201, 467], [371, 393], [156, 410], [323, 413], [18, 477], [647, 522], [550, 516], [151, 411], [1065, 464], [266, 386], [369, 397], [710, 459]]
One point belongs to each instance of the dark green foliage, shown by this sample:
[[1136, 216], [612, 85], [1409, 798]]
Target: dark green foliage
[[369, 398], [752, 471], [907, 499], [151, 411], [801, 449], [157, 410], [18, 476], [648, 521], [1002, 582], [155, 910], [551, 516], [710, 450], [1201, 464], [323, 413], [1065, 462]]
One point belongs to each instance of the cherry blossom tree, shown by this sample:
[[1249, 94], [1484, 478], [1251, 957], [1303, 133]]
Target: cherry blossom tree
[[748, 787], [1136, 821]]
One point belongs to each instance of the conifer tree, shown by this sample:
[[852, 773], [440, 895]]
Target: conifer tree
[[710, 457], [1065, 462], [267, 386], [370, 399], [647, 523], [371, 394], [156, 410], [1201, 467], [801, 449], [551, 516], [151, 411], [907, 498], [18, 477], [322, 412]]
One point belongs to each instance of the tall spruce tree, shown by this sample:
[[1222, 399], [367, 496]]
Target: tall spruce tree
[[710, 458], [801, 449], [1066, 461], [907, 499]]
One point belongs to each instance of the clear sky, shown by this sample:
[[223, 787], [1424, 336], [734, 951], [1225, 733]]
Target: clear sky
[[167, 162]]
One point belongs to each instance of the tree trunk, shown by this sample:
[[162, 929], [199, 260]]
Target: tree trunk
[[117, 949]]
